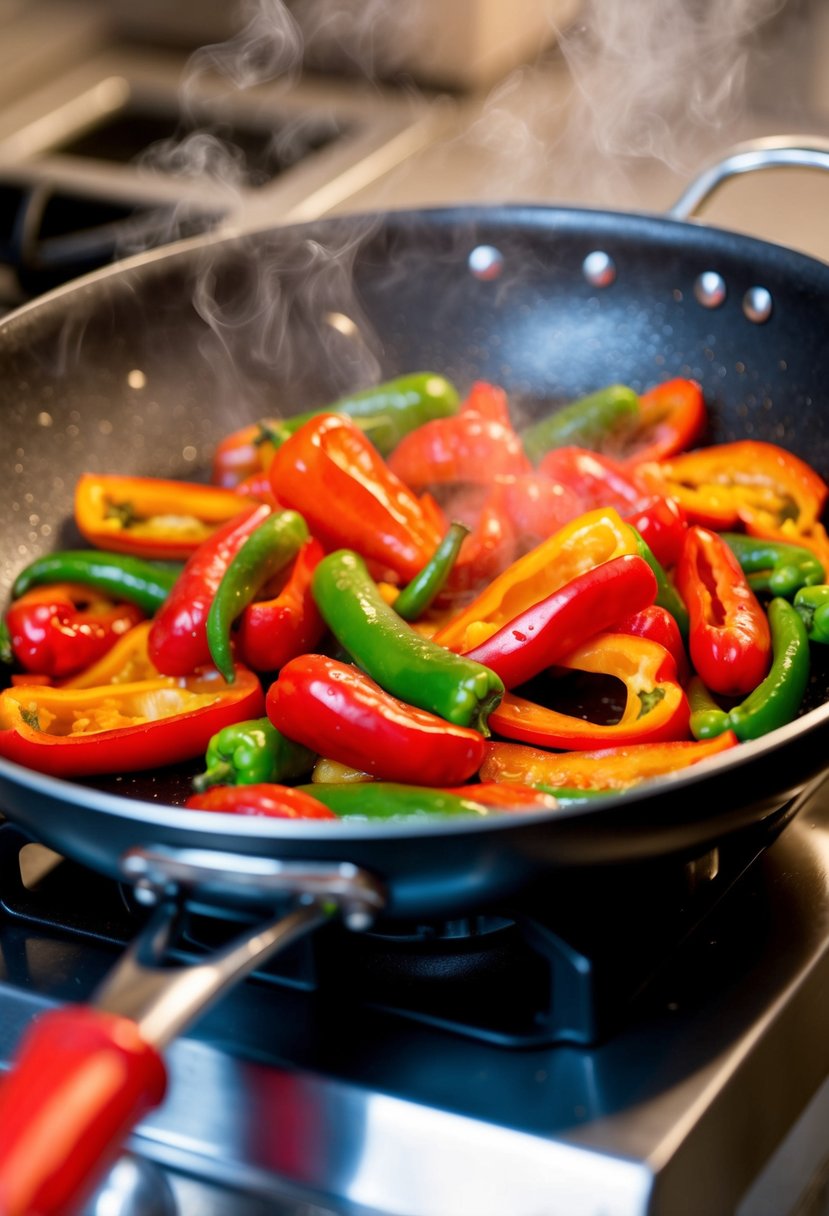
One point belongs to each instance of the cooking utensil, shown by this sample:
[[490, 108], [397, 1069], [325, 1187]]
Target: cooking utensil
[[143, 367]]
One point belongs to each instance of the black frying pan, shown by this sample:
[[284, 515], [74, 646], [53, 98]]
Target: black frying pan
[[143, 367]]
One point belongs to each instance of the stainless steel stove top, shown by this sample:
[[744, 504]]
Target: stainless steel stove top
[[708, 1094]]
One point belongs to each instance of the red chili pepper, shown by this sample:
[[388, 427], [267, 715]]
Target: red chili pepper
[[729, 637], [61, 629], [672, 417], [273, 631], [661, 523], [120, 728], [149, 516], [655, 710], [486, 551], [266, 799], [178, 638], [333, 476], [545, 633], [657, 625], [339, 712], [474, 445]]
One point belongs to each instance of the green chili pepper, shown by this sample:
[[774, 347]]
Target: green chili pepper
[[401, 661], [385, 412], [707, 719], [6, 652], [812, 606], [389, 800], [773, 567], [570, 796], [667, 596], [267, 550], [119, 575], [777, 700], [585, 422], [248, 753], [415, 598]]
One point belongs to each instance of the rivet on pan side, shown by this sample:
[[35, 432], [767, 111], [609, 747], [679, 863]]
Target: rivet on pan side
[[757, 304], [599, 269], [486, 262], [709, 289]]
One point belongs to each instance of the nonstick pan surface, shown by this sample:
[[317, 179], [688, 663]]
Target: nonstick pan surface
[[143, 367]]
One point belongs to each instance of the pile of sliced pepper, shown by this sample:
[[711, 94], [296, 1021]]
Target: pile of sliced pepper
[[404, 604]]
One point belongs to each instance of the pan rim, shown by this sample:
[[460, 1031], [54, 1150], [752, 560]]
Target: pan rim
[[221, 824]]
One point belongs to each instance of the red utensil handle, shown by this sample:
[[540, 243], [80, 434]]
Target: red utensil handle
[[82, 1079]]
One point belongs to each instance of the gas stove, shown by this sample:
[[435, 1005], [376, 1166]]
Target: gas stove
[[626, 1041]]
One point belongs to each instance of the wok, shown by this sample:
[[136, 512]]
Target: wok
[[142, 367]]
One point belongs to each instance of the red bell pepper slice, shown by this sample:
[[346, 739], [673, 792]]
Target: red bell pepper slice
[[505, 796], [656, 623], [272, 631], [474, 445], [655, 711], [178, 638], [672, 417], [59, 630], [266, 799], [334, 477], [729, 636], [661, 523], [149, 516], [548, 631], [596, 480], [121, 728], [536, 507], [609, 768], [243, 454], [339, 712]]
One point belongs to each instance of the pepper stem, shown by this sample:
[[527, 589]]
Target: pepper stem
[[217, 774]]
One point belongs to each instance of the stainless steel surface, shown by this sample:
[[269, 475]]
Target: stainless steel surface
[[758, 155], [675, 1114], [164, 873], [165, 1000], [133, 1187]]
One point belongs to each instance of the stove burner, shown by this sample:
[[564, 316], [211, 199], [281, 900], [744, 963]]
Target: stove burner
[[564, 964]]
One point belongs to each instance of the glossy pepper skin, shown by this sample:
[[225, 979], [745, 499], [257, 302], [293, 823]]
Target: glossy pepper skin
[[418, 595], [812, 606], [338, 711], [772, 567], [267, 798], [402, 662], [273, 630], [546, 633], [474, 445], [119, 575], [672, 417], [596, 479], [773, 493], [610, 768], [329, 461], [71, 732], [657, 625], [586, 422], [395, 800], [178, 638], [662, 526], [248, 753], [775, 701], [667, 596], [149, 516], [582, 544], [60, 629], [655, 710], [729, 639], [269, 548]]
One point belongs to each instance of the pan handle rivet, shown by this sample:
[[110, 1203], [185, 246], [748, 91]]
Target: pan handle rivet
[[757, 304], [709, 289], [599, 269], [486, 262]]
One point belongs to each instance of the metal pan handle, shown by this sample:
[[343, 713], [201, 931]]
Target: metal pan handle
[[768, 152]]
